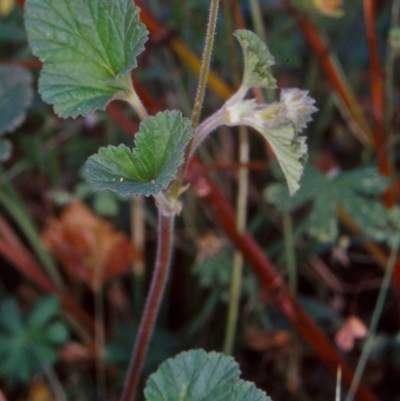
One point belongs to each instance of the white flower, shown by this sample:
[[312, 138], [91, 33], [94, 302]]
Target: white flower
[[299, 107], [280, 123]]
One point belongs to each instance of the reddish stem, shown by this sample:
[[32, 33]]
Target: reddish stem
[[377, 90], [160, 276], [264, 269]]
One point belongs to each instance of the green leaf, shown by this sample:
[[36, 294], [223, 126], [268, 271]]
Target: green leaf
[[16, 96], [88, 49], [257, 59], [151, 165], [27, 344], [200, 376], [46, 309], [291, 152], [356, 191]]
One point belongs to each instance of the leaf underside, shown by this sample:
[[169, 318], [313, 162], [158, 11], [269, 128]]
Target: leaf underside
[[88, 49]]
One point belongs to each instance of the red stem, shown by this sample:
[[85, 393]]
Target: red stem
[[160, 276], [377, 90]]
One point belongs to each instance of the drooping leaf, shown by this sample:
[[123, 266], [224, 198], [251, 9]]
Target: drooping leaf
[[16, 95], [356, 191], [200, 376], [257, 60], [151, 165], [291, 152], [88, 49]]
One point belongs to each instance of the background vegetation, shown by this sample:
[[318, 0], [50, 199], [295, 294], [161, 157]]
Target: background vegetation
[[75, 265]]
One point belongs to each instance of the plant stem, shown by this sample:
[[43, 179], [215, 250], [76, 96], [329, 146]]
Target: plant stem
[[205, 62], [173, 191], [375, 316], [237, 265], [160, 276]]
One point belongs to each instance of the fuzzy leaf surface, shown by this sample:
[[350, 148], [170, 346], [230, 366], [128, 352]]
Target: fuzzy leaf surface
[[257, 59], [88, 48], [16, 96], [150, 165], [291, 152], [356, 191], [200, 376]]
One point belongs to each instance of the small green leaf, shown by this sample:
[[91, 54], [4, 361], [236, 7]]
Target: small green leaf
[[200, 376], [16, 96], [88, 49], [257, 59], [193, 376], [151, 165]]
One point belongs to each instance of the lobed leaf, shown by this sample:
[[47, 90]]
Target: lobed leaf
[[356, 191], [151, 165], [88, 48], [200, 376], [257, 59]]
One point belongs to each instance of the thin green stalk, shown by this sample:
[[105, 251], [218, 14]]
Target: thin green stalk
[[158, 283], [256, 16], [375, 316], [173, 191], [290, 253], [237, 265], [205, 62]]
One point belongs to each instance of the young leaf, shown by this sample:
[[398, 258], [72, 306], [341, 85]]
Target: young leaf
[[200, 376], [151, 165], [88, 49], [257, 59], [355, 191], [16, 96]]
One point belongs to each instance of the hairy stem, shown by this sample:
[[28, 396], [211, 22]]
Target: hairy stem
[[205, 64], [160, 276], [173, 191]]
